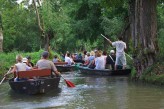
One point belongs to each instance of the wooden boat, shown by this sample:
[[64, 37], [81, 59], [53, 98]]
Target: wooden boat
[[43, 84], [63, 67], [105, 72]]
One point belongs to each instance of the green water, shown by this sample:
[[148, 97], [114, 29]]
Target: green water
[[91, 92]]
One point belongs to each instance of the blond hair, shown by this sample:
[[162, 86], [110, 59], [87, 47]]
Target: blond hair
[[99, 53], [92, 53], [19, 58]]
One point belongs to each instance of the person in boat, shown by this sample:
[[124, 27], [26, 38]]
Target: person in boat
[[110, 60], [120, 52], [19, 66], [68, 59], [86, 59], [55, 59], [104, 55], [29, 63], [44, 63], [91, 60], [99, 61], [72, 59]]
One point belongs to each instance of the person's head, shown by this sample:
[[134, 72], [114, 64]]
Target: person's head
[[24, 60], [68, 54], [19, 58], [112, 52], [28, 57], [88, 54], [104, 53], [55, 56], [98, 53], [85, 52], [120, 38], [45, 54], [92, 53]]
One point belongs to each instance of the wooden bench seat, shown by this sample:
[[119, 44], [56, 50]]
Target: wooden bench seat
[[61, 63], [34, 73]]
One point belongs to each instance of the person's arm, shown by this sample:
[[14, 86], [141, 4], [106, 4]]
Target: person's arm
[[13, 69], [54, 69], [110, 42], [125, 48]]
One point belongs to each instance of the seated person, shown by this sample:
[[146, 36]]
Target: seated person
[[29, 63], [44, 63], [99, 61], [68, 59], [19, 66], [86, 59], [110, 60], [55, 59], [91, 59]]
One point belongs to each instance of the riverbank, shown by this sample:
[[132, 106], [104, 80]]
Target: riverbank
[[8, 59], [153, 75]]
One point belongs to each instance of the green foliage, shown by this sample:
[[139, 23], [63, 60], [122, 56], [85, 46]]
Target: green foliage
[[112, 26], [8, 59], [160, 21]]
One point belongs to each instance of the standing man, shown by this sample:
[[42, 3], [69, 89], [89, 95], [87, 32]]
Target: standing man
[[120, 54]]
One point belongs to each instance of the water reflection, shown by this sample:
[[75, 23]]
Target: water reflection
[[90, 93]]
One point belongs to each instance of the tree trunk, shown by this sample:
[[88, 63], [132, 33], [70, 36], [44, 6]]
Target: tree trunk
[[1, 34], [45, 36], [1, 40], [143, 32]]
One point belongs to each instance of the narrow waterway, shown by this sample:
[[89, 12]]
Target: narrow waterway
[[91, 92]]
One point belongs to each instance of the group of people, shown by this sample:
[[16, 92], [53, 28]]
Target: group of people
[[101, 60], [94, 59], [24, 64]]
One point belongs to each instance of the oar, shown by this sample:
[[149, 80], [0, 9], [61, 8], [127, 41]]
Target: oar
[[104, 37], [4, 77], [69, 83], [108, 39]]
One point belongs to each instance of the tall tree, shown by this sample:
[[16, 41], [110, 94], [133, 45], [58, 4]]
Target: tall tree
[[1, 34], [143, 32]]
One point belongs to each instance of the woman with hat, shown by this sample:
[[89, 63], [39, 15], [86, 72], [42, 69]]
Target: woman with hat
[[19, 66]]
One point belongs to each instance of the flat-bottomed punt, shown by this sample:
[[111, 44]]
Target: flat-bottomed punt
[[44, 83], [63, 67], [105, 72]]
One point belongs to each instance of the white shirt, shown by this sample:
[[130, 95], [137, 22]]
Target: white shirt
[[22, 67], [68, 60], [100, 63], [120, 46]]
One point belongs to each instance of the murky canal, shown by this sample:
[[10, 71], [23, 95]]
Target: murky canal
[[91, 92]]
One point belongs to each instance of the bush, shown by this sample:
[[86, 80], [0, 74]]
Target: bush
[[8, 59]]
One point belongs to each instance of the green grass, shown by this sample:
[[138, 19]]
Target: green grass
[[8, 59]]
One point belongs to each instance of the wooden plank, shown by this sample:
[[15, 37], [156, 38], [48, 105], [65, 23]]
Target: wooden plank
[[33, 73], [61, 63]]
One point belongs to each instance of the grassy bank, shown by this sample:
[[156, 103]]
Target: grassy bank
[[8, 59]]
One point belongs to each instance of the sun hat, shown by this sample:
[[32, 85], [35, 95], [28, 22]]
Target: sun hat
[[112, 51], [24, 60]]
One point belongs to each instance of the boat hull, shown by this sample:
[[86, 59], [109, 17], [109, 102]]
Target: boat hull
[[105, 72], [62, 68], [41, 85]]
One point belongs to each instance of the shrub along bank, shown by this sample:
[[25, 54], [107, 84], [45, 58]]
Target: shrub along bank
[[8, 59]]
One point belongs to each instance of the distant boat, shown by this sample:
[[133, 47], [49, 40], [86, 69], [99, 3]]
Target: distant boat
[[63, 67], [35, 86], [105, 72]]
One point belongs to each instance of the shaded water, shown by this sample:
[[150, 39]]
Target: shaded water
[[91, 92]]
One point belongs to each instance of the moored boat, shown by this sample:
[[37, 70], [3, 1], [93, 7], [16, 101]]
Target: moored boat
[[42, 84], [105, 72]]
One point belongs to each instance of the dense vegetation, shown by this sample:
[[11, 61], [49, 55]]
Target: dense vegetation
[[69, 25]]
